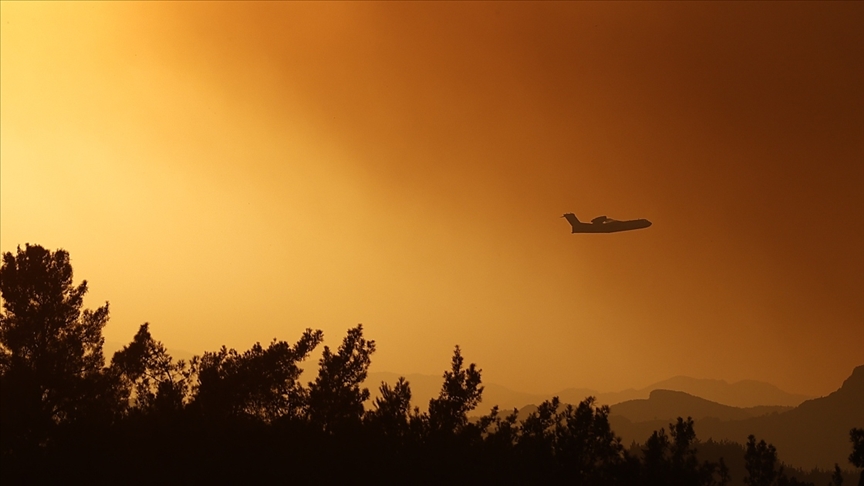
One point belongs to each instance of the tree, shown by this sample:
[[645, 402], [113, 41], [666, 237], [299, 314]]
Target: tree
[[391, 413], [837, 476], [335, 397], [149, 377], [460, 393], [856, 436], [537, 432], [50, 350], [655, 457], [585, 445], [674, 461], [761, 463], [260, 383], [502, 433]]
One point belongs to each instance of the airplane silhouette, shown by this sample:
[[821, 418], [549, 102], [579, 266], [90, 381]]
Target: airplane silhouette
[[602, 224]]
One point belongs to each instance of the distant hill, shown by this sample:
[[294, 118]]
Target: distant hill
[[745, 393], [666, 405], [814, 434]]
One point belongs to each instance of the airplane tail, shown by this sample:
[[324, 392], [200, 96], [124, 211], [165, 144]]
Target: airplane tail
[[572, 219]]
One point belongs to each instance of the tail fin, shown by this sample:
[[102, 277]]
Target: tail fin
[[572, 219]]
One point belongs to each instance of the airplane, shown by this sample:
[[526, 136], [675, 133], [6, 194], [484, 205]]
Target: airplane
[[602, 224]]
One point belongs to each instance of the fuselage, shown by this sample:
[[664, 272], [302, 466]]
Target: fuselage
[[602, 224], [611, 226]]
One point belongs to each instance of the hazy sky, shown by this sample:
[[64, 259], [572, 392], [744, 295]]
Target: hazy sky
[[235, 172]]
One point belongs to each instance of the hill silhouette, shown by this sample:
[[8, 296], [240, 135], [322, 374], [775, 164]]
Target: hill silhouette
[[745, 393], [668, 404], [814, 434]]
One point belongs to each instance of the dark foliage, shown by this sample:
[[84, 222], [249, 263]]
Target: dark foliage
[[145, 374], [259, 383], [761, 463], [460, 393], [672, 459], [245, 417], [50, 350], [837, 477], [763, 468], [856, 435], [335, 397]]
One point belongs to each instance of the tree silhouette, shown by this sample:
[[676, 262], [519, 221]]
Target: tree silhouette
[[245, 417], [460, 393], [502, 432], [674, 461], [585, 445], [335, 397], [856, 436], [50, 350], [761, 463], [392, 410], [150, 379], [260, 383], [536, 440], [837, 476], [573, 445]]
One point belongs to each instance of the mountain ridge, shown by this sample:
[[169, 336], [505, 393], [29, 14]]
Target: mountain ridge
[[670, 404], [814, 434]]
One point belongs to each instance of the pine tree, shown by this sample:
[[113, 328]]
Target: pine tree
[[51, 358]]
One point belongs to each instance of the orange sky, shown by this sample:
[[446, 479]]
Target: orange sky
[[232, 173]]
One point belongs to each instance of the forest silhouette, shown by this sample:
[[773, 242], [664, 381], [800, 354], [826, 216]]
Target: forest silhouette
[[68, 416]]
